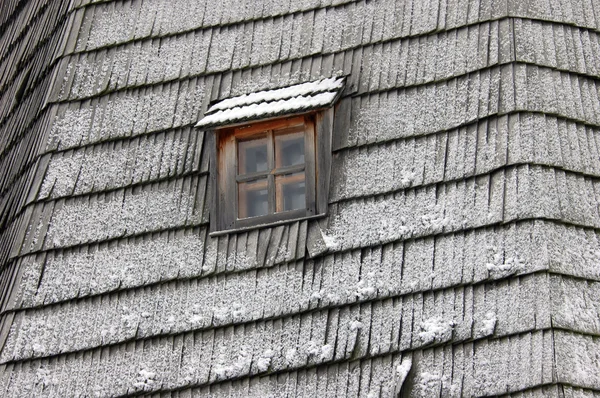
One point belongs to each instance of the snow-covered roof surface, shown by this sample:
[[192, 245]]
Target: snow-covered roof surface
[[462, 229], [262, 104]]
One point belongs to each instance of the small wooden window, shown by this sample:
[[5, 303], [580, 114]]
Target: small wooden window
[[268, 172]]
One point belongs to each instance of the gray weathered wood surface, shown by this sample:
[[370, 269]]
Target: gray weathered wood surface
[[463, 227]]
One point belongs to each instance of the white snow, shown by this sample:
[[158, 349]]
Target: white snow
[[298, 90], [488, 325], [146, 379], [435, 330], [403, 369], [265, 109], [501, 267], [330, 241], [264, 361]]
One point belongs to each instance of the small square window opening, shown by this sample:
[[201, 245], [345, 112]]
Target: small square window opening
[[271, 155], [272, 168]]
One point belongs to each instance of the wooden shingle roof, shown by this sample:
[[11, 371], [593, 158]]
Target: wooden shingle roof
[[461, 245]]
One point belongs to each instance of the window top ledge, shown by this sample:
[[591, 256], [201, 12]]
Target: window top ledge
[[215, 234], [294, 99]]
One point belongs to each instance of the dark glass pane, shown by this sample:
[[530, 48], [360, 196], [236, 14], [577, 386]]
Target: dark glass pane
[[252, 156], [289, 149], [291, 192], [253, 199]]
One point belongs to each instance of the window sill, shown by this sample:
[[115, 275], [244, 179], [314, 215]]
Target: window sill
[[216, 234]]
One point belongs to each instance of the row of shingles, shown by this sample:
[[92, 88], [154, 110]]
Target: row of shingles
[[9, 11], [165, 203], [380, 77], [377, 375], [326, 286], [342, 279], [263, 247], [14, 36], [74, 268], [407, 17], [115, 164], [183, 160], [541, 192], [84, 117], [481, 368], [576, 359], [133, 210], [22, 133], [127, 264], [20, 157], [459, 101], [29, 70], [153, 107], [357, 331], [558, 46], [582, 13], [120, 22], [172, 61], [369, 377], [24, 63], [76, 118], [477, 148], [581, 311], [42, 65], [130, 113], [26, 48], [508, 194], [22, 130], [555, 246], [437, 57], [250, 45]]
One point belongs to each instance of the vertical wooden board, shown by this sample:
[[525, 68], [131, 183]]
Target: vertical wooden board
[[280, 248], [387, 328], [406, 325]]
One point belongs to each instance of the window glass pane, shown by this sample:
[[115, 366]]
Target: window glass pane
[[291, 192], [253, 198], [252, 156], [289, 149]]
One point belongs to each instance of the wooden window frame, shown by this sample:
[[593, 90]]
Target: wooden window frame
[[224, 168]]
